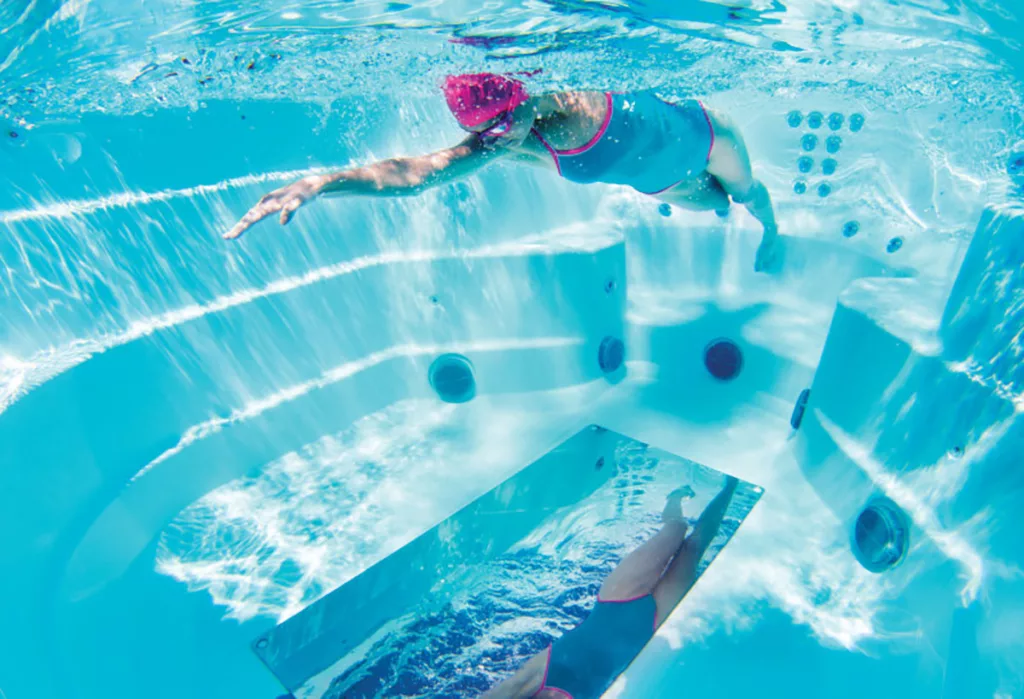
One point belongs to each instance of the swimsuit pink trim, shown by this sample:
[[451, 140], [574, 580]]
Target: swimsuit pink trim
[[711, 128], [552, 151], [631, 599], [665, 189], [544, 682], [623, 601], [547, 665], [600, 132]]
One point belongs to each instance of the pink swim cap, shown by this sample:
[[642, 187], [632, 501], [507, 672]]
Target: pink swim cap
[[478, 97]]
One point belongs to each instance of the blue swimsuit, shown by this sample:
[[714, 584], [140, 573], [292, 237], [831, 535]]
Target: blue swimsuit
[[644, 142], [584, 662]]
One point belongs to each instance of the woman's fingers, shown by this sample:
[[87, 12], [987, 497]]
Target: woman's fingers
[[290, 207], [256, 214], [246, 221], [266, 206], [283, 200]]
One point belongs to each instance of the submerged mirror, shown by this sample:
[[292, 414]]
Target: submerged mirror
[[551, 583]]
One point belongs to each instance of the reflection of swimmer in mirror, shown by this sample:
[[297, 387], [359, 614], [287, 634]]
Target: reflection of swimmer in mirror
[[680, 153], [634, 600]]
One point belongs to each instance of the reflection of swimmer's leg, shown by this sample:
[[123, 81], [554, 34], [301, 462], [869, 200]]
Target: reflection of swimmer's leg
[[527, 681], [638, 573], [701, 193], [682, 572]]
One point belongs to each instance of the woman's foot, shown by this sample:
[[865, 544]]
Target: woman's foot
[[768, 253], [673, 511]]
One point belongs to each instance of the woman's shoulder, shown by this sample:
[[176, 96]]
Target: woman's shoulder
[[567, 103], [574, 96]]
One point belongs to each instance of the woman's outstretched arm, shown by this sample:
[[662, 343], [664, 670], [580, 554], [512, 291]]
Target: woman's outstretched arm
[[387, 178]]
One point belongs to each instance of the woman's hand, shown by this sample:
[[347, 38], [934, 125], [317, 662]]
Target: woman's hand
[[286, 200]]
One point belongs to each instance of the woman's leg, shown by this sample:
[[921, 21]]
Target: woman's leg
[[638, 573], [729, 163], [682, 572], [701, 193], [527, 681]]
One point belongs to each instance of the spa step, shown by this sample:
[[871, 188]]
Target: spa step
[[983, 320], [191, 405], [918, 392]]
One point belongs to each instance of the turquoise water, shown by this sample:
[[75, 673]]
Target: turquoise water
[[199, 439]]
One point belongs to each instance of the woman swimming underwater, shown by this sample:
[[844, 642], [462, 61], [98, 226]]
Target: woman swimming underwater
[[682, 153]]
